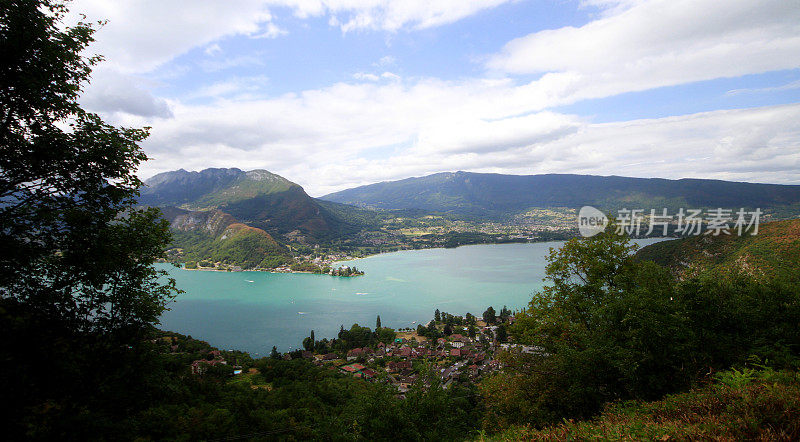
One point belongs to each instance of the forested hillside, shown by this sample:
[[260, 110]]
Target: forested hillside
[[774, 250]]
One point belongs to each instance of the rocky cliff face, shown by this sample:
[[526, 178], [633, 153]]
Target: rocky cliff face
[[210, 222]]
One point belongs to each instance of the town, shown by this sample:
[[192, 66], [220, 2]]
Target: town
[[455, 349]]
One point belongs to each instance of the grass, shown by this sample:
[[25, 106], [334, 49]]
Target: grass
[[252, 380]]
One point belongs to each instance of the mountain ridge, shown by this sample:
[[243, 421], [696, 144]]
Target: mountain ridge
[[497, 194], [258, 198]]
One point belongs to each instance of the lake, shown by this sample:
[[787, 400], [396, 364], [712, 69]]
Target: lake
[[252, 311]]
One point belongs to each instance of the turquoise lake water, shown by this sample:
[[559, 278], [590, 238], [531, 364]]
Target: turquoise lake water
[[252, 311]]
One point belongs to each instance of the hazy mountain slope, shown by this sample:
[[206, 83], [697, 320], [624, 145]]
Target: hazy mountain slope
[[180, 187], [495, 194], [776, 248]]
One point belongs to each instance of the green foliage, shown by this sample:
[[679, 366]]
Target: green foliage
[[237, 245], [612, 327], [773, 252], [78, 292], [346, 271], [292, 400], [743, 405], [489, 316], [66, 179]]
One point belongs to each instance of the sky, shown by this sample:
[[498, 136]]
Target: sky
[[333, 94]]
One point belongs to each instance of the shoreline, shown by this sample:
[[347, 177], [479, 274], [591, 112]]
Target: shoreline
[[206, 269], [394, 251]]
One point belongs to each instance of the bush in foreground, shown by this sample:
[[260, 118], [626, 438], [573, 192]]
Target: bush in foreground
[[740, 405]]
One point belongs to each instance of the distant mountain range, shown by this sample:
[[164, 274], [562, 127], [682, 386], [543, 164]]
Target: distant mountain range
[[495, 195], [249, 218]]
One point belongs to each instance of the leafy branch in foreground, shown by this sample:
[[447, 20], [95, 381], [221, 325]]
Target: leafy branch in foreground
[[78, 292]]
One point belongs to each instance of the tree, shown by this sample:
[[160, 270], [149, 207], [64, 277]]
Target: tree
[[378, 322], [469, 318], [274, 353], [489, 315], [448, 330], [385, 335], [609, 329], [502, 335], [471, 331], [65, 179], [504, 313], [437, 316], [78, 291], [432, 332]]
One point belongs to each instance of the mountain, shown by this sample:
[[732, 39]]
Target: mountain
[[496, 195], [775, 249], [209, 222], [215, 236], [257, 198]]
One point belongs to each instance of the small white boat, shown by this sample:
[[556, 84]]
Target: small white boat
[[249, 280]]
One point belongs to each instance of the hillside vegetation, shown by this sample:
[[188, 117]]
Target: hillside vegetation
[[217, 237], [774, 250], [740, 405], [610, 328]]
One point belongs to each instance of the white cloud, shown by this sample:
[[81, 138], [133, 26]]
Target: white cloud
[[474, 135], [785, 87], [111, 92], [753, 145], [213, 49], [245, 88], [386, 60], [271, 30], [144, 34], [366, 76], [321, 138], [649, 44], [388, 15]]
